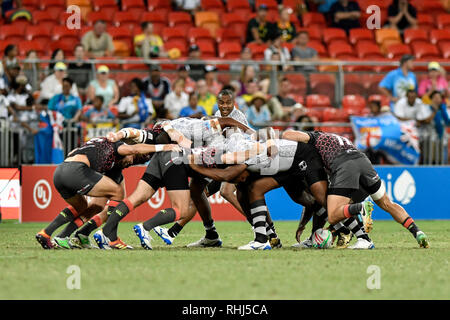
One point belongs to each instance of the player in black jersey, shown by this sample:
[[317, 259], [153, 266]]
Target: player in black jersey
[[350, 170], [85, 173]]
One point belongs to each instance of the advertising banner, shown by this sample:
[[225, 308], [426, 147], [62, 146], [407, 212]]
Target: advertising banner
[[10, 193]]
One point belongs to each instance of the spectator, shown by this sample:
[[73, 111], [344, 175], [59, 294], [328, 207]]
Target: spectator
[[284, 27], [32, 68], [302, 120], [259, 29], [57, 56], [9, 58], [157, 88], [136, 108], [52, 84], [196, 70], [97, 42], [325, 5], [97, 114], [183, 73], [66, 103], [248, 75], [281, 104], [8, 81], [20, 99], [252, 88], [246, 55], [439, 114], [80, 70], [9, 7], [148, 44], [411, 107], [193, 110], [395, 84], [345, 15], [435, 82], [105, 87], [301, 52], [205, 98], [277, 48], [176, 100], [375, 108], [211, 79], [401, 15], [191, 6], [258, 113]]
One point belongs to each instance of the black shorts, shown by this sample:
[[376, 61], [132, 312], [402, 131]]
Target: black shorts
[[353, 176], [174, 178], [72, 178]]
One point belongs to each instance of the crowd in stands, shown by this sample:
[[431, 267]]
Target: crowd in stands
[[83, 93]]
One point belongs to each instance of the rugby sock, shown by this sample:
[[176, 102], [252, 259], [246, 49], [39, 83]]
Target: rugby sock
[[67, 214], [258, 211], [357, 228], [121, 210], [162, 217], [353, 209], [411, 226], [70, 228], [319, 217], [339, 228], [89, 227], [210, 228], [111, 206], [270, 230], [175, 230]]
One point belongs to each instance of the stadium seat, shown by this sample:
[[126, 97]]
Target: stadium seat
[[133, 5], [128, 19], [438, 35], [332, 34], [443, 21], [257, 50], [353, 102], [313, 19], [298, 83], [382, 36], [38, 33], [271, 4], [314, 33], [12, 34], [84, 5], [341, 51], [122, 34], [139, 65], [425, 21], [158, 20], [25, 46], [113, 65], [176, 33], [445, 49], [425, 51], [195, 34], [207, 48], [353, 68], [176, 43], [66, 45], [432, 7], [316, 113], [61, 4], [368, 51], [121, 48], [236, 22], [209, 20], [229, 50], [154, 5], [397, 50], [323, 84], [99, 5], [47, 19], [319, 47], [334, 115], [98, 15], [180, 19], [227, 34], [317, 100], [216, 6], [355, 35], [288, 45], [31, 4], [378, 97], [415, 35], [239, 7], [353, 83]]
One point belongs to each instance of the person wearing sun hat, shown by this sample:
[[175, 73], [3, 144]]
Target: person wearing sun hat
[[258, 112], [52, 85], [105, 87], [435, 81]]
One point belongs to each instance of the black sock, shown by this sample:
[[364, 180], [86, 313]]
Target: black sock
[[63, 217], [87, 228], [319, 218], [175, 230], [270, 230], [258, 210], [210, 228], [162, 217], [411, 226], [355, 208], [68, 230], [110, 228], [357, 228]]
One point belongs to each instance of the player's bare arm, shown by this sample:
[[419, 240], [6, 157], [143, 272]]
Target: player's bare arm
[[293, 135]]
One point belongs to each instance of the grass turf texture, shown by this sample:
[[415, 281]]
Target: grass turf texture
[[175, 272]]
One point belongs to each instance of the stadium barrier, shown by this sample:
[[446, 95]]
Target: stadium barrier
[[410, 186]]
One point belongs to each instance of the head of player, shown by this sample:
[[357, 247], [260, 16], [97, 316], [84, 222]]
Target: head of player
[[225, 102]]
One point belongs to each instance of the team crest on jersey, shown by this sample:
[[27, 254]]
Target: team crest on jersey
[[303, 166]]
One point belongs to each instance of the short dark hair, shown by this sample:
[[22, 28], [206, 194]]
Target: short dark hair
[[138, 82], [100, 21], [9, 48], [144, 25], [225, 92], [376, 102], [228, 87], [303, 32], [434, 93], [100, 98], [193, 93], [69, 80]]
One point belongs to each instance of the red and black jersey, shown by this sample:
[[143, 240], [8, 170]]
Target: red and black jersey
[[101, 153], [330, 146]]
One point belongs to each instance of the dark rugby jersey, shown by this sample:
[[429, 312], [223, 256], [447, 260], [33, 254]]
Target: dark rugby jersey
[[101, 153], [330, 146]]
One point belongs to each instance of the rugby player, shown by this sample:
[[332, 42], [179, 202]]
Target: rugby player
[[350, 170]]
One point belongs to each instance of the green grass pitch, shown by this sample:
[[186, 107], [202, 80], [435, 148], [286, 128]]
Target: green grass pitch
[[176, 272]]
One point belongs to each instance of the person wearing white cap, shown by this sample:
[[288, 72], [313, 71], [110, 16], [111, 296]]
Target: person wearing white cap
[[434, 82], [105, 87], [52, 84]]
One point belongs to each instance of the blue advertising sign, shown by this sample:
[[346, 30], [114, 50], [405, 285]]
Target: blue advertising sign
[[397, 139], [422, 191]]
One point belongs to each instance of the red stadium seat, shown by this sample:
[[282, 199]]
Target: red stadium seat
[[317, 100], [227, 34], [94, 16], [177, 43], [445, 49], [313, 19], [271, 4], [443, 21], [129, 19], [154, 5], [35, 45], [439, 35], [30, 4], [12, 34], [425, 51], [212, 4], [319, 47], [334, 115], [353, 102], [341, 51], [62, 33], [176, 33], [331, 34], [206, 48], [239, 7], [229, 50], [158, 20], [236, 22], [209, 20], [368, 51], [378, 97], [430, 6], [60, 4], [99, 5], [38, 33], [397, 50], [356, 35], [257, 50], [315, 113], [196, 34], [415, 35], [127, 5], [139, 65], [298, 83], [425, 21], [180, 19], [122, 34], [66, 45], [354, 83], [323, 84]]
